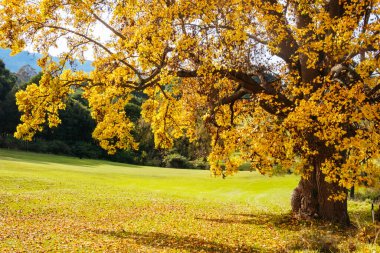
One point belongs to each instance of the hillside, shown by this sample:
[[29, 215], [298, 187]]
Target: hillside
[[14, 63]]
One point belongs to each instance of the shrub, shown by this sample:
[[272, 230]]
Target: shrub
[[176, 160], [39, 146], [83, 149], [245, 167], [8, 141], [155, 161], [123, 156], [200, 164], [58, 147]]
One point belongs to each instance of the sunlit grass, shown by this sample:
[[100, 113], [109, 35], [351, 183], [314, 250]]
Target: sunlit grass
[[62, 204]]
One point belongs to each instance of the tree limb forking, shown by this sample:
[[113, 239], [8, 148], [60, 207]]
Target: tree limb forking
[[288, 46], [250, 86], [234, 97]]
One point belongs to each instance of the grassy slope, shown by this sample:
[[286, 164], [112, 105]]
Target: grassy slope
[[54, 203]]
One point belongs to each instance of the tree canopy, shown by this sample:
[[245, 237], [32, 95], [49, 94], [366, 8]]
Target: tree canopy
[[290, 83]]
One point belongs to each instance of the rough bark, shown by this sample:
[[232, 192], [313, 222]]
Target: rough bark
[[311, 199]]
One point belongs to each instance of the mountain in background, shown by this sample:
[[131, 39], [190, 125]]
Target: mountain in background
[[25, 73], [15, 63]]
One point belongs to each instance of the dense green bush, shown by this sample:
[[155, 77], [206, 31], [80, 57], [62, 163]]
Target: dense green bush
[[83, 149], [123, 156], [8, 141], [245, 167], [133, 111], [155, 161], [175, 160], [200, 164], [39, 146], [58, 147]]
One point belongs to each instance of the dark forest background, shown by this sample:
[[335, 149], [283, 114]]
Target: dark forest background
[[73, 136]]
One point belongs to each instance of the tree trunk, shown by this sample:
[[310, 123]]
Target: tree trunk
[[311, 199]]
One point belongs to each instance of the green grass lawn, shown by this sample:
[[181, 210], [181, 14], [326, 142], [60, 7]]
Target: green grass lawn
[[60, 204]]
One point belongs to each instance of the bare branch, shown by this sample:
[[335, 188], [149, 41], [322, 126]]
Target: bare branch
[[108, 26], [92, 41]]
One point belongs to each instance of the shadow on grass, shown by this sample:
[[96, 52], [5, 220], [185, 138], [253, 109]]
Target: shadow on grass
[[38, 158], [278, 220], [314, 240], [301, 234], [182, 243]]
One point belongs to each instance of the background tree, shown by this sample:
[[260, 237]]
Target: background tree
[[9, 115], [207, 63]]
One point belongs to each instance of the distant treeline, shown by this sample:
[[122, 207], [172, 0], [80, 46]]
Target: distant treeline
[[73, 136]]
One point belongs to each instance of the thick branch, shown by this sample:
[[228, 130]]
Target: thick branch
[[303, 20], [335, 8], [250, 86], [362, 51], [288, 46], [234, 97]]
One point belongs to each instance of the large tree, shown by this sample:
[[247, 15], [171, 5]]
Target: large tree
[[284, 82]]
